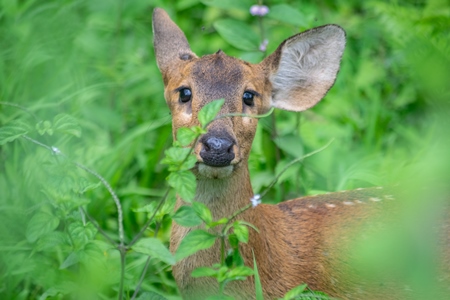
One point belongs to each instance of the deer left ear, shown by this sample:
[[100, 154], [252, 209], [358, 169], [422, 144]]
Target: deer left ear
[[304, 67], [171, 46]]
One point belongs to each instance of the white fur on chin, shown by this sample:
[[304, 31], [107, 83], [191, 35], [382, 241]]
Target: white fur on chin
[[214, 172]]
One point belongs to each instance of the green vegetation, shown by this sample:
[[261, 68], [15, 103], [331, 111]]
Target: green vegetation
[[83, 123]]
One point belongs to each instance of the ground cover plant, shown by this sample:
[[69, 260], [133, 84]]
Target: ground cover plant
[[84, 130]]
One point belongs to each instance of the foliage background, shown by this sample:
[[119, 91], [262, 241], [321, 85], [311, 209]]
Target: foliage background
[[93, 61]]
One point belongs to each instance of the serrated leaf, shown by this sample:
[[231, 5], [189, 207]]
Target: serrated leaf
[[210, 111], [184, 184], [204, 271], [179, 159], [154, 248], [39, 225], [66, 124], [50, 240], [13, 131], [194, 241], [202, 211], [218, 222], [70, 260], [185, 136], [241, 232], [237, 34], [81, 234], [241, 271], [186, 216], [287, 14], [295, 292], [44, 127]]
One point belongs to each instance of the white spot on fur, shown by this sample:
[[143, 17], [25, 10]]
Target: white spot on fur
[[359, 202], [348, 203], [360, 189], [374, 199], [329, 205], [311, 206], [389, 197]]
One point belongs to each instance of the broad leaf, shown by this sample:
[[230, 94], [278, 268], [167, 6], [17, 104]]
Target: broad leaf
[[210, 111], [204, 271], [185, 136], [287, 14], [186, 216], [184, 184], [202, 211], [292, 294], [72, 259], [238, 34], [66, 124], [13, 131], [229, 4], [241, 232], [39, 225], [194, 241], [155, 248]]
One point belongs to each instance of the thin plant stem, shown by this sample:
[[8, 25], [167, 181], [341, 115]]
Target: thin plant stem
[[123, 252], [102, 232], [56, 151], [291, 163], [147, 263], [149, 221]]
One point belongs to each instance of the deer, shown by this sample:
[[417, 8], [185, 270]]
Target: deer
[[304, 240]]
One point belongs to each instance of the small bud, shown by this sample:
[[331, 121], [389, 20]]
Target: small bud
[[255, 200], [263, 46], [56, 151], [259, 10]]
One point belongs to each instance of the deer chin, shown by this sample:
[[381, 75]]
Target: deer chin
[[214, 172]]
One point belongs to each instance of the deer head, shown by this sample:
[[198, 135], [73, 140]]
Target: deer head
[[295, 77]]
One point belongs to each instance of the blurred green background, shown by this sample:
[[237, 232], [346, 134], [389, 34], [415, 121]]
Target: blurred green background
[[81, 75]]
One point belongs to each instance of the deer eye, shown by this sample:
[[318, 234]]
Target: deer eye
[[185, 95], [247, 97]]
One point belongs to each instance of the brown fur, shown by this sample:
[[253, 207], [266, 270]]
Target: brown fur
[[310, 240]]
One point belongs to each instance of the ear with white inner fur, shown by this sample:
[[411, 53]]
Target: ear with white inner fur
[[304, 67], [171, 45]]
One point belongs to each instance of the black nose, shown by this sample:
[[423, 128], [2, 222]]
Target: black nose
[[217, 150]]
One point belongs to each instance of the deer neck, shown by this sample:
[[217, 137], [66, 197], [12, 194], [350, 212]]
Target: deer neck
[[226, 195]]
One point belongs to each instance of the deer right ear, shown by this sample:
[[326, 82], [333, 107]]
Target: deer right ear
[[170, 43], [304, 67]]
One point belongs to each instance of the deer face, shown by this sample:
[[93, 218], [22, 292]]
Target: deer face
[[295, 77]]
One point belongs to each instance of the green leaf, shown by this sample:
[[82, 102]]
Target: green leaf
[[229, 4], [184, 183], [39, 225], [51, 240], [13, 131], [295, 292], [70, 260], [287, 14], [186, 216], [291, 144], [155, 248], [203, 272], [218, 222], [258, 285], [241, 232], [238, 34], [194, 241], [202, 211], [179, 159], [241, 271], [66, 124], [185, 136], [210, 111], [44, 127], [81, 234]]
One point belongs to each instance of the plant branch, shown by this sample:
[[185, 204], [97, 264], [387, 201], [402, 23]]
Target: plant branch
[[56, 151]]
